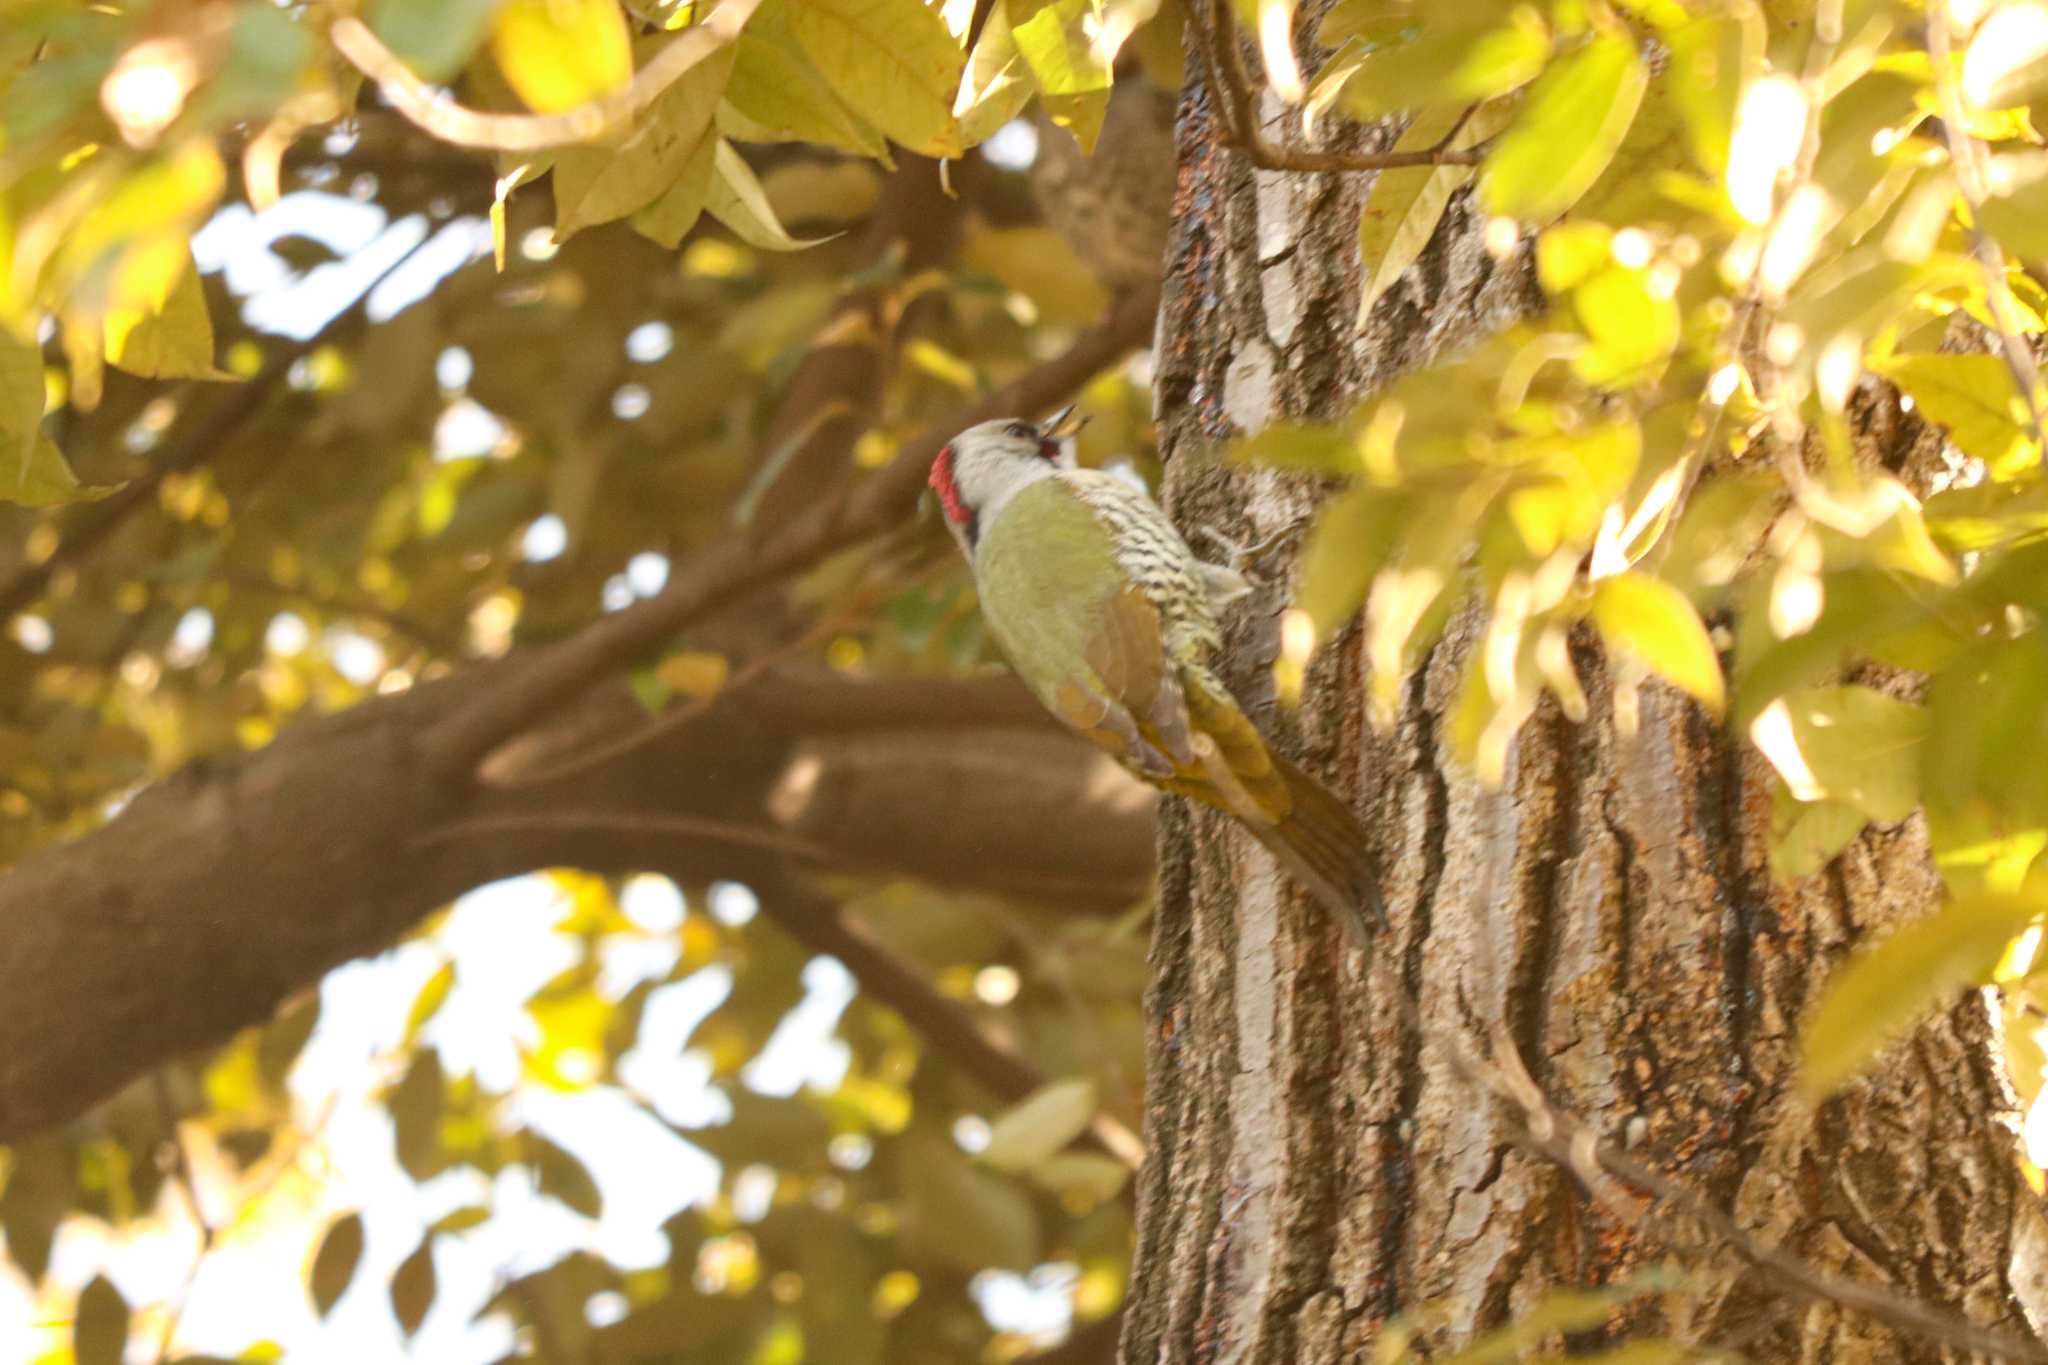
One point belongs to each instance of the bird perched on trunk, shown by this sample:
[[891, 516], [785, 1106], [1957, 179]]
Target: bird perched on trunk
[[1110, 620]]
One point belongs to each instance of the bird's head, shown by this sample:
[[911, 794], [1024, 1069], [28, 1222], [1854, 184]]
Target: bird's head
[[981, 467]]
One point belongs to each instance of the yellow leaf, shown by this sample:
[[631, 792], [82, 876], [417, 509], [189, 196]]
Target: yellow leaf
[[1887, 987], [1571, 123], [169, 339], [894, 60], [558, 54], [1033, 1130], [1655, 622]]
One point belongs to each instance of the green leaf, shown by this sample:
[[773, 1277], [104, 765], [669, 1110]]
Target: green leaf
[[558, 54], [781, 96], [961, 1214], [1856, 746], [1655, 622], [1564, 1310], [1974, 397], [893, 60], [335, 1263], [1573, 119], [1461, 55], [21, 412], [46, 480], [1887, 988], [1088, 1176], [99, 1334], [434, 37], [412, 1287], [1355, 532], [599, 184], [1405, 206], [1313, 449], [171, 340], [669, 219], [735, 198], [285, 1037], [1033, 1130], [1806, 835], [1711, 57], [1570, 252], [1633, 327], [268, 52]]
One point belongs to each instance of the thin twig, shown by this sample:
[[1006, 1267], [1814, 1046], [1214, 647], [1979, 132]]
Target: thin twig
[[434, 111], [1964, 152], [629, 822], [1238, 103]]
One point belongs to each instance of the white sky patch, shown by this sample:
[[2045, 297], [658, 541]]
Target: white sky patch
[[287, 635], [631, 401], [802, 1049], [661, 1068], [1038, 1305], [355, 655], [33, 633], [453, 368], [1013, 147], [468, 430], [732, 903], [546, 537], [649, 342], [647, 572], [453, 247], [644, 1172], [190, 638], [653, 902]]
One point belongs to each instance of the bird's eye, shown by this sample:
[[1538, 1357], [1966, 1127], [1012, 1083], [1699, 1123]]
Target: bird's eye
[[1023, 431]]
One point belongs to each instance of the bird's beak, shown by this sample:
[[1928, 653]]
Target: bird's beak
[[1063, 423]]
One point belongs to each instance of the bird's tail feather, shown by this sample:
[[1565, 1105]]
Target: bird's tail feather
[[1322, 845]]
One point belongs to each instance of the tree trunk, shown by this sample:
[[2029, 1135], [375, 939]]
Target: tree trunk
[[1317, 1164]]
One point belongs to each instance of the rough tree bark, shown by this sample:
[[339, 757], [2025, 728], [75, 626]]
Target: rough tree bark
[[1316, 1167]]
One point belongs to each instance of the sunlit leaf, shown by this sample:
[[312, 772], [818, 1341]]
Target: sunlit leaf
[[168, 338], [1071, 69], [1655, 622], [416, 1107], [780, 95], [1806, 835], [1854, 745], [334, 1265], [1573, 119], [598, 184], [894, 60], [561, 53], [735, 199], [1889, 986], [1975, 398]]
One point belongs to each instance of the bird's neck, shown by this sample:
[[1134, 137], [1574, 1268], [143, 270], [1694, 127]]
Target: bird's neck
[[1001, 483]]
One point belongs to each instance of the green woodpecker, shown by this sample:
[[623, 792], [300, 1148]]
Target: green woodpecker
[[1110, 620]]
